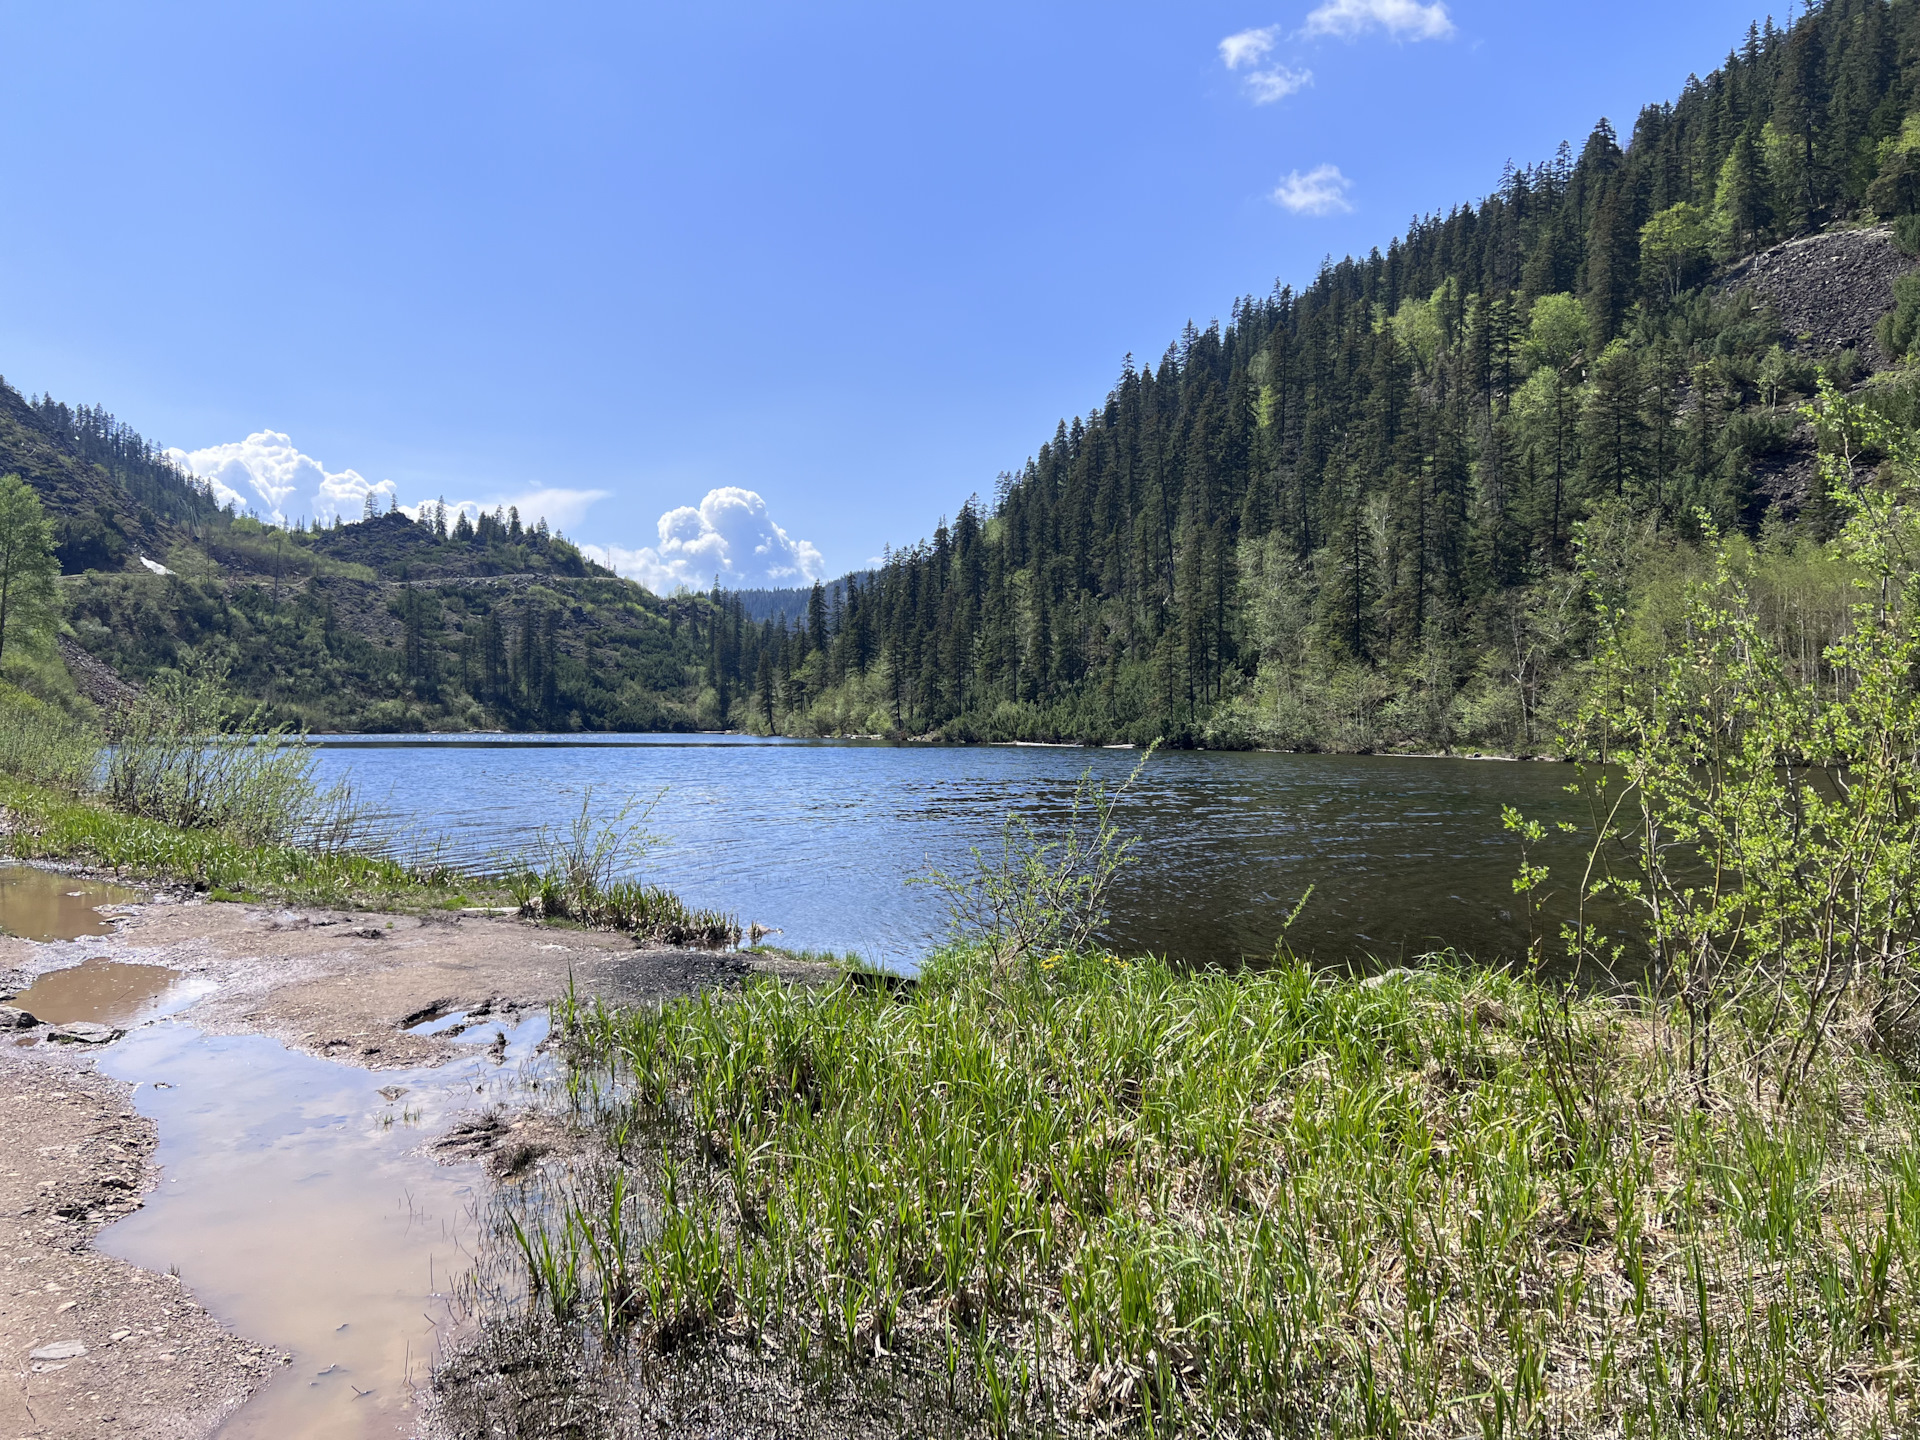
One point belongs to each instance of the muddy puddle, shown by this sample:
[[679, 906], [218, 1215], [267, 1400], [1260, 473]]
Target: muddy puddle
[[297, 1201], [107, 992], [43, 905]]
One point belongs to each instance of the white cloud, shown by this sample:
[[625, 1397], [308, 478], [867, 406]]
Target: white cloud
[[1249, 47], [1402, 19], [1321, 191], [1267, 86], [730, 535], [267, 475]]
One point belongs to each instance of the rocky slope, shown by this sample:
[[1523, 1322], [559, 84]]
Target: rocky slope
[[1829, 290]]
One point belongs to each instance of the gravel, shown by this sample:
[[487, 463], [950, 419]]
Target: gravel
[[1829, 290]]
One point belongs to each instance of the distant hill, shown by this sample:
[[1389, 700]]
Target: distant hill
[[392, 543], [386, 623], [790, 604], [113, 496]]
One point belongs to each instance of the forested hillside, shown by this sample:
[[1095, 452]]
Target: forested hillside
[[114, 496], [389, 623], [1348, 517]]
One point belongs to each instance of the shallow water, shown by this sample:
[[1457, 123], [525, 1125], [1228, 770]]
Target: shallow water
[[819, 838], [44, 905], [107, 992], [297, 1203]]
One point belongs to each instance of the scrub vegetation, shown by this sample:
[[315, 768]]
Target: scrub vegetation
[[576, 875]]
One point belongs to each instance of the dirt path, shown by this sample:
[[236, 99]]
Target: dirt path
[[74, 1155]]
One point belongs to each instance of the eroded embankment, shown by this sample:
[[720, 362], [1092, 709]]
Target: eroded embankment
[[298, 1118]]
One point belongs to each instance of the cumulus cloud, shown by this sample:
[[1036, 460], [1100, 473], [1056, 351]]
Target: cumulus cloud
[[1401, 19], [266, 474], [1249, 47], [1321, 191], [1267, 86], [1246, 50], [729, 535]]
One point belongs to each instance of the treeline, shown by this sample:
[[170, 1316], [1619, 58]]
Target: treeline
[[146, 473], [1346, 518]]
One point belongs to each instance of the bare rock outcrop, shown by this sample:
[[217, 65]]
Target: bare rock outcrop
[[1829, 290], [96, 679]]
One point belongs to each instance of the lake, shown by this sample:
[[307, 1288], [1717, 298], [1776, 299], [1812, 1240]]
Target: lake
[[818, 839]]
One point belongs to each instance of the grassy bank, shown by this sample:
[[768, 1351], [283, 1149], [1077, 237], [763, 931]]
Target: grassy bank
[[46, 824], [1096, 1193], [187, 794]]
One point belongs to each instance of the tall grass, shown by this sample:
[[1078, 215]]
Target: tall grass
[[578, 874], [184, 795], [44, 746], [186, 792], [179, 759], [1097, 1193], [44, 824]]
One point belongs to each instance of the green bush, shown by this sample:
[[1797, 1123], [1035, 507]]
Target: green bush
[[1897, 330], [44, 746], [179, 760], [578, 875]]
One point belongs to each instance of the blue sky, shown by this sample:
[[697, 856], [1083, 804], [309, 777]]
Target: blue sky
[[854, 259]]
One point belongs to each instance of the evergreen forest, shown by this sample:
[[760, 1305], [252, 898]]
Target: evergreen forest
[[1356, 516]]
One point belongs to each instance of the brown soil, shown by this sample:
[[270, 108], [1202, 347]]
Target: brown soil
[[73, 1154], [343, 985]]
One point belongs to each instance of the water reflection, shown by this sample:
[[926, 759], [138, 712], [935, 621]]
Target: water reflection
[[100, 991], [298, 1206], [818, 838], [46, 905]]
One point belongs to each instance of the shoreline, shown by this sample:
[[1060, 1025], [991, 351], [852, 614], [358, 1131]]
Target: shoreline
[[342, 986], [587, 737]]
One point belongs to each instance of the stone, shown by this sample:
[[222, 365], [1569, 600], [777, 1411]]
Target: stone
[[60, 1350], [12, 1017], [85, 1032]]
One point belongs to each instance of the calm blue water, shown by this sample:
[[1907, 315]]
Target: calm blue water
[[819, 838]]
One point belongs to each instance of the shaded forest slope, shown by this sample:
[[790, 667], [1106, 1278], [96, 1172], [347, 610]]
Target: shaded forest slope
[[386, 624]]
